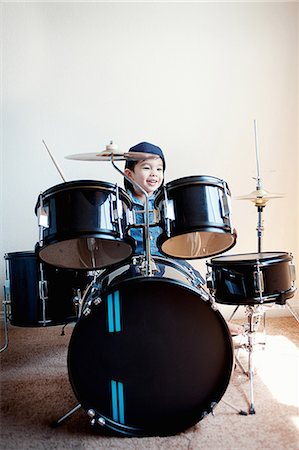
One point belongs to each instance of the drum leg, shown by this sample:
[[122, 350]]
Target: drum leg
[[233, 313], [292, 311], [5, 326], [239, 411], [66, 416]]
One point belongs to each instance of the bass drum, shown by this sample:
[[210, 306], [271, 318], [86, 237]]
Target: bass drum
[[253, 278], [152, 358]]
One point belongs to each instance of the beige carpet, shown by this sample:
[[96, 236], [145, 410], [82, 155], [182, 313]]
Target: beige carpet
[[35, 391]]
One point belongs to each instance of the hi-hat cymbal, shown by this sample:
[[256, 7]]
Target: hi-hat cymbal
[[260, 196]]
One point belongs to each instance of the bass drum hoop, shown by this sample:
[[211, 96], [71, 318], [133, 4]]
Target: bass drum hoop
[[156, 356]]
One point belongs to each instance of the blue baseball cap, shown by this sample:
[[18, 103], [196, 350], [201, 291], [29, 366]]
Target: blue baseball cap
[[145, 147]]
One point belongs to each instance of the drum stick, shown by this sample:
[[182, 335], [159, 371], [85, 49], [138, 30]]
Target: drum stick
[[258, 179], [54, 162]]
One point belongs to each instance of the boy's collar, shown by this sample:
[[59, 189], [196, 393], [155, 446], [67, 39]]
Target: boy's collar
[[136, 199]]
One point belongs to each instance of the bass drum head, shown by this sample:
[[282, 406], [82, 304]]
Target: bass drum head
[[153, 358]]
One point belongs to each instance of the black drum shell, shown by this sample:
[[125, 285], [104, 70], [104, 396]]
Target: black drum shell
[[234, 278], [24, 276], [80, 210], [197, 209], [172, 353]]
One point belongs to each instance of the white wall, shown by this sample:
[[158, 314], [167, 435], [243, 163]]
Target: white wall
[[190, 77]]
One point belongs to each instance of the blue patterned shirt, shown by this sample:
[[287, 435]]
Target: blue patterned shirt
[[137, 233]]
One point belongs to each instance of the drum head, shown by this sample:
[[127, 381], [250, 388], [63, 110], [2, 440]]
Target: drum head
[[249, 259], [197, 244], [152, 359]]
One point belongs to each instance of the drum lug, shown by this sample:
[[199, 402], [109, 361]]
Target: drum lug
[[226, 205], [293, 274], [130, 216], [258, 278], [43, 219]]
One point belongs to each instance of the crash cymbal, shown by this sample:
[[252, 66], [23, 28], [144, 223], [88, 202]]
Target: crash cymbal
[[103, 156], [260, 197], [108, 155]]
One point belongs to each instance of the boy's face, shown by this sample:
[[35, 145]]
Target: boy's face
[[148, 174]]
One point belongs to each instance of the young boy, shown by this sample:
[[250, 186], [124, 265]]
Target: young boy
[[149, 175]]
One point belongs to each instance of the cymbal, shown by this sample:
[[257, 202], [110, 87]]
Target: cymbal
[[260, 196], [108, 155]]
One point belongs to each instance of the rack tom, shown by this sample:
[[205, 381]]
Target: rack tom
[[84, 225], [195, 217]]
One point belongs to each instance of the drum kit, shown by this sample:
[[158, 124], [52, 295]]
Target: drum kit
[[150, 353]]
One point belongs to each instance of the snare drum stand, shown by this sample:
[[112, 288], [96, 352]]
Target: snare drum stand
[[254, 314]]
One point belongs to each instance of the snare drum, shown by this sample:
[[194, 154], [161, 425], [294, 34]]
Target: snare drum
[[253, 278], [159, 356], [195, 218], [84, 225], [25, 278]]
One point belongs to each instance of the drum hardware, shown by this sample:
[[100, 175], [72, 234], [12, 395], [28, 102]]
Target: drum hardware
[[77, 300], [93, 298], [145, 227], [259, 280], [168, 211], [255, 315], [6, 306], [118, 212], [43, 219], [226, 205], [58, 422], [43, 293]]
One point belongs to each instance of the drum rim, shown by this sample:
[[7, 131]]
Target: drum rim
[[84, 184], [21, 254], [274, 258], [196, 180]]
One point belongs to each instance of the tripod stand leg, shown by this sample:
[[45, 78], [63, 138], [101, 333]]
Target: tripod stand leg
[[239, 411], [63, 418], [250, 364]]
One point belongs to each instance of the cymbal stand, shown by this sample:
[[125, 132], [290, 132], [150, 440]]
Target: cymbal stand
[[149, 265]]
